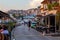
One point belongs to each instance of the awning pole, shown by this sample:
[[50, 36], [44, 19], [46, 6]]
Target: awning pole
[[55, 23]]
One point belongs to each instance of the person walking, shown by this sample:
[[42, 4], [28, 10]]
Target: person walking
[[1, 35], [24, 23], [5, 32], [29, 24]]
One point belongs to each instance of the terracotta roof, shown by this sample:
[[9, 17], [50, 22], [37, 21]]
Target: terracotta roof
[[48, 1], [52, 12], [39, 15], [41, 8], [55, 7], [58, 9], [44, 2], [4, 14], [45, 9]]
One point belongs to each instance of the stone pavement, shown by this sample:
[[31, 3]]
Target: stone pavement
[[22, 33]]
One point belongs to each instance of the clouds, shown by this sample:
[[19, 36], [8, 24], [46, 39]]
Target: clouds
[[35, 3], [18, 4]]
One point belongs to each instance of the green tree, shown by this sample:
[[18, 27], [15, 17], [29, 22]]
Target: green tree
[[11, 25], [49, 6], [14, 15], [55, 4]]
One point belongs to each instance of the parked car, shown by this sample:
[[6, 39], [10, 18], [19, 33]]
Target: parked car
[[21, 22], [26, 21], [33, 24]]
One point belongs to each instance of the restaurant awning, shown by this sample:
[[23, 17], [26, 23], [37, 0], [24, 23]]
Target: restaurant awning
[[52, 12]]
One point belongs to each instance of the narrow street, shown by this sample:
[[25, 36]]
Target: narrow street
[[43, 16], [22, 33]]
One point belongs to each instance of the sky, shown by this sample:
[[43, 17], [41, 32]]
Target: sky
[[18, 4]]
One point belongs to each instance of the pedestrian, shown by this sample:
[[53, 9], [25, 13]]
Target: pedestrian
[[29, 24], [5, 32], [24, 23], [1, 29], [1, 35]]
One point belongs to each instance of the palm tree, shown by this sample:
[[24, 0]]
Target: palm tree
[[49, 6]]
